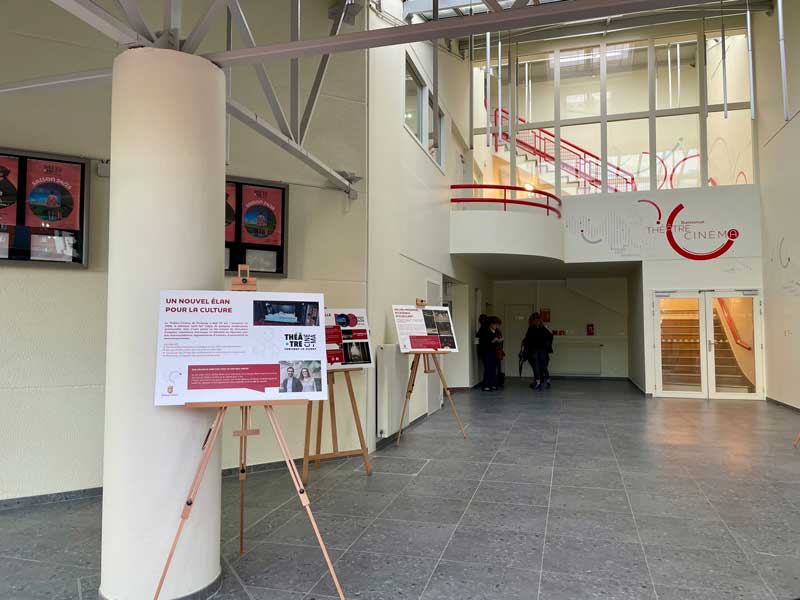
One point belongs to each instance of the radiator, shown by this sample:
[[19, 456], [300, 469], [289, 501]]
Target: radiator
[[392, 370]]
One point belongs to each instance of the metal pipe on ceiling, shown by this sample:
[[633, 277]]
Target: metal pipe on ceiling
[[750, 62], [499, 89], [487, 72], [724, 65], [784, 76]]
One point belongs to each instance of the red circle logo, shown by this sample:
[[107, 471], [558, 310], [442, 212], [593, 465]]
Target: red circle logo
[[733, 234]]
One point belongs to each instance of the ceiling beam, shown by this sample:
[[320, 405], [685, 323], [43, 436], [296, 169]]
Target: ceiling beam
[[454, 27], [135, 18], [198, 34], [54, 81], [493, 5], [103, 21], [269, 131]]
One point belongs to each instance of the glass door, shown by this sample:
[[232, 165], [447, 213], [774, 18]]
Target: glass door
[[680, 356], [733, 342], [708, 344]]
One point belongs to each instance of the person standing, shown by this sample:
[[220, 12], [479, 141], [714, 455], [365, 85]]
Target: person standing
[[488, 344], [535, 348], [501, 376]]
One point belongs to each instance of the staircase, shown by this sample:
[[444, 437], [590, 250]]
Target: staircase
[[584, 167], [728, 374], [680, 351]]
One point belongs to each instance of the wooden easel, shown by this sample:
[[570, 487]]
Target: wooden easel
[[797, 441], [336, 453], [427, 355], [243, 282]]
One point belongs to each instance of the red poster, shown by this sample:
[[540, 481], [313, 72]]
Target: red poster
[[230, 377], [54, 195], [9, 172], [230, 212], [425, 342], [261, 215], [335, 357], [333, 335]]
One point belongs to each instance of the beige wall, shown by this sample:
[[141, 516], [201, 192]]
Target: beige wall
[[777, 147], [52, 366]]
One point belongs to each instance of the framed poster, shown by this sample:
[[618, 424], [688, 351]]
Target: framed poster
[[43, 207], [230, 212], [229, 347], [256, 236], [9, 185], [347, 338], [54, 194], [427, 328]]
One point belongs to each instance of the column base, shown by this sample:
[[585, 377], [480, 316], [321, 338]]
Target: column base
[[201, 594]]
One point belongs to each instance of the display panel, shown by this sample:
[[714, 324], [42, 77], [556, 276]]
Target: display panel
[[424, 329], [255, 226], [229, 347], [347, 338], [43, 207]]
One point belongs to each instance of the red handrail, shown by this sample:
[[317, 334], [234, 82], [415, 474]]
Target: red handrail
[[723, 307], [504, 201], [515, 188]]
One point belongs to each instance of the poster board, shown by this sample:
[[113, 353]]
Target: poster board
[[347, 339], [424, 329], [256, 225], [230, 347], [43, 207]]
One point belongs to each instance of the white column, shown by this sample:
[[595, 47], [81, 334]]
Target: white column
[[166, 232]]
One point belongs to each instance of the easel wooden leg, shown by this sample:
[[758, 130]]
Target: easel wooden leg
[[447, 393], [409, 390], [306, 446], [797, 441], [208, 447], [332, 410], [320, 411], [301, 493], [361, 440], [242, 473]]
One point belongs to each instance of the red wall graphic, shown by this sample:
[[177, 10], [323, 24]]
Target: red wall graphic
[[9, 184]]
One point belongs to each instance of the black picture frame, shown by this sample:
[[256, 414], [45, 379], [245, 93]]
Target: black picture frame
[[238, 251], [21, 234]]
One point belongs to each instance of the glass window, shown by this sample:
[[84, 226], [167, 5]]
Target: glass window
[[580, 83], [730, 148], [677, 82], [413, 116], [628, 167], [437, 156], [736, 66], [536, 89], [580, 160], [678, 150], [627, 78], [536, 151]]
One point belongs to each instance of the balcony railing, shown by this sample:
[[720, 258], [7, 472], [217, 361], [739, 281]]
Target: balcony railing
[[548, 202]]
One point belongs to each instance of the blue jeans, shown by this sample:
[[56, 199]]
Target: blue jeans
[[538, 360]]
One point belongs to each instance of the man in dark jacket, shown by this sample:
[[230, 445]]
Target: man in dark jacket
[[536, 346], [489, 340]]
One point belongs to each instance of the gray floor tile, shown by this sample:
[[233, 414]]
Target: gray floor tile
[[582, 461], [767, 539], [441, 487], [31, 580], [379, 576], [513, 517], [645, 503], [501, 547], [519, 473], [735, 592], [398, 466], [426, 509], [660, 484], [596, 558], [685, 533], [540, 458], [587, 478], [561, 586], [454, 469], [570, 498], [405, 537], [513, 493], [594, 524], [781, 574], [284, 567], [356, 504], [338, 531], [460, 581], [691, 567], [383, 483]]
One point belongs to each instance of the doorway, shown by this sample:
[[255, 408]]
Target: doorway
[[515, 326], [433, 297], [708, 344]]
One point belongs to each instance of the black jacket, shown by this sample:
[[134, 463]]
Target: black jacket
[[486, 339], [537, 339]]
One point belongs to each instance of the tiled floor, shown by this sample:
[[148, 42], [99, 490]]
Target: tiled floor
[[585, 491]]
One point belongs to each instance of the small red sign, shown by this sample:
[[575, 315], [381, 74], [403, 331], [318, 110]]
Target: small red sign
[[425, 342], [224, 377], [333, 335], [335, 357]]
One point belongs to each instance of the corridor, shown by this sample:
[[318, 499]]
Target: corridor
[[587, 490]]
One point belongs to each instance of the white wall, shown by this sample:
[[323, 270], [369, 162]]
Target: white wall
[[409, 239], [636, 310], [52, 361], [777, 146]]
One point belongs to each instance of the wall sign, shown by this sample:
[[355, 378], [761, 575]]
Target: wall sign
[[43, 207], [220, 347], [255, 225], [427, 328], [347, 338]]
